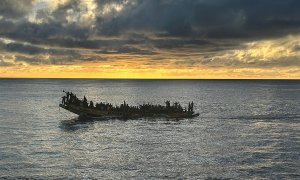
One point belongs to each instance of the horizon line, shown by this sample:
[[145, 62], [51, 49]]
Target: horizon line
[[152, 78]]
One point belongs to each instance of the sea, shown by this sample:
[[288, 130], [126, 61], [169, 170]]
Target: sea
[[247, 129]]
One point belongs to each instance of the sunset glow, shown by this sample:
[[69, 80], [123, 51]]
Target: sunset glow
[[147, 39]]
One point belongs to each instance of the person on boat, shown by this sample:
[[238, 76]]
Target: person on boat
[[167, 104], [191, 107], [85, 103], [63, 101], [180, 108], [71, 96], [91, 104], [68, 95]]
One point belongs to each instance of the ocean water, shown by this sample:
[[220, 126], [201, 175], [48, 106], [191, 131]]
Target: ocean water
[[246, 130]]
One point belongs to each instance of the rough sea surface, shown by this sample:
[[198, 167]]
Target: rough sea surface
[[246, 130]]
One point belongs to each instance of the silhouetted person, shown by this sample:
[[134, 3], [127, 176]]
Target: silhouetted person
[[167, 104], [68, 96], [91, 104], [63, 101], [85, 103]]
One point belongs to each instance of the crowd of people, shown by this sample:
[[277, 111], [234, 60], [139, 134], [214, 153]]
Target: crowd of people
[[71, 99]]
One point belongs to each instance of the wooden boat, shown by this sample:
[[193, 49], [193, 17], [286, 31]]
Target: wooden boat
[[84, 112], [105, 110]]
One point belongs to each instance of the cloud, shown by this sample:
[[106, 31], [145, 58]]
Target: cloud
[[212, 19], [258, 54], [178, 18], [12, 9], [203, 18], [7, 60], [213, 33], [31, 49]]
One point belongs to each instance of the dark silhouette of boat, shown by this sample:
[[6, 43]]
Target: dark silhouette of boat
[[106, 110]]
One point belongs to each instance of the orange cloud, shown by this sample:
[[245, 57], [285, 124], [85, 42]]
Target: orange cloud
[[271, 59]]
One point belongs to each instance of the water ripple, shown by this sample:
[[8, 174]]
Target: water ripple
[[246, 130]]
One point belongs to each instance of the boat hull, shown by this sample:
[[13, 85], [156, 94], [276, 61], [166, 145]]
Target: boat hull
[[85, 113]]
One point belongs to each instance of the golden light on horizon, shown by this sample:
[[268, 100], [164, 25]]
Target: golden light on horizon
[[272, 59], [108, 70]]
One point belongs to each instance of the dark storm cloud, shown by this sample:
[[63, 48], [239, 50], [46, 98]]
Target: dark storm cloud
[[15, 8], [6, 27], [43, 32], [191, 18], [177, 18], [30, 49], [206, 18], [143, 26]]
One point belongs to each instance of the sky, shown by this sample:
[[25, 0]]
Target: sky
[[185, 39]]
